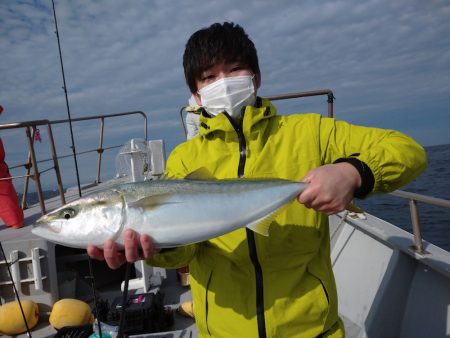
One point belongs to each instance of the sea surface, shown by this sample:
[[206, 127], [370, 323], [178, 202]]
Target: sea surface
[[435, 181]]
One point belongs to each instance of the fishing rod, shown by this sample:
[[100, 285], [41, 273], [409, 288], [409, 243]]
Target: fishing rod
[[94, 291], [75, 157], [67, 101], [15, 291], [123, 309]]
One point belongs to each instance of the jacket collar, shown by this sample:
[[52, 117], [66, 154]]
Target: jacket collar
[[263, 109]]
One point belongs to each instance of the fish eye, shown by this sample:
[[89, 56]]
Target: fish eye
[[68, 213]]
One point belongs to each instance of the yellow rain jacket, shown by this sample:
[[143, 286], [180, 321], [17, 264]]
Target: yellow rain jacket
[[243, 283]]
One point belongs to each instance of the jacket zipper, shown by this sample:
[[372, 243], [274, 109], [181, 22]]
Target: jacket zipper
[[251, 239]]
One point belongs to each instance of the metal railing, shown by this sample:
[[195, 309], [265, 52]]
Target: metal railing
[[414, 213], [32, 163], [321, 92], [30, 130]]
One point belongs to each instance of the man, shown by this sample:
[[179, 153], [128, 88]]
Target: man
[[243, 284]]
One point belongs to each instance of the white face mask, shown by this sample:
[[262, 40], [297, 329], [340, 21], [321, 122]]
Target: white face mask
[[230, 94]]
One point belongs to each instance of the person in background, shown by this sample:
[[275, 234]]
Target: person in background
[[192, 118], [244, 284], [10, 211]]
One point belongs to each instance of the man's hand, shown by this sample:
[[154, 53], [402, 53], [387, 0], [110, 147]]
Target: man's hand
[[330, 187], [135, 248]]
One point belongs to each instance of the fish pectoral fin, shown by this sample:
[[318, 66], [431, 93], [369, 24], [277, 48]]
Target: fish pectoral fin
[[262, 225], [150, 202], [200, 174]]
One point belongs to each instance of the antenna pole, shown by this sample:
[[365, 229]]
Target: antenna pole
[[67, 101]]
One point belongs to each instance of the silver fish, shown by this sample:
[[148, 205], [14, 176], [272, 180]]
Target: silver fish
[[172, 212]]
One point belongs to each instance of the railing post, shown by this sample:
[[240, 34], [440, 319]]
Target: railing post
[[24, 204], [100, 150], [330, 103], [36, 173], [145, 127], [418, 246]]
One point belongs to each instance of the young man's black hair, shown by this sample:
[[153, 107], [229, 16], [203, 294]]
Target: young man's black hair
[[217, 43]]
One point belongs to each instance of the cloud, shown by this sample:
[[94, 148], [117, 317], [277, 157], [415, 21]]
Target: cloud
[[386, 61]]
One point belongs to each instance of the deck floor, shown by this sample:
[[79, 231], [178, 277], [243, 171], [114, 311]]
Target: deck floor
[[174, 293]]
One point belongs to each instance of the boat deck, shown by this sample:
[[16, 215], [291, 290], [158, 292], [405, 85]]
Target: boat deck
[[385, 288], [63, 273]]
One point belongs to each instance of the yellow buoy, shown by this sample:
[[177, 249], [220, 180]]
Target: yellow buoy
[[11, 318], [70, 312]]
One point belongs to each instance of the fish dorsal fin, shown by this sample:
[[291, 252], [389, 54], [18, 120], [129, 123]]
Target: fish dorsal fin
[[149, 203], [262, 225], [200, 174]]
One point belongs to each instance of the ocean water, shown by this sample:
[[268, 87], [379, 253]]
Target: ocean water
[[435, 181]]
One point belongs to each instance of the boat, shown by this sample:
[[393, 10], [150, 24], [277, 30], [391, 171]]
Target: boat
[[390, 282]]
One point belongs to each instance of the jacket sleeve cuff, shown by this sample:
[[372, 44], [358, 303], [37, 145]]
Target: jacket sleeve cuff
[[367, 178]]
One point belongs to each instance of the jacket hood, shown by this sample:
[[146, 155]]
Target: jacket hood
[[263, 109]]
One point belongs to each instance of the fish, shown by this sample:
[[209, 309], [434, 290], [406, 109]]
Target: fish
[[173, 212]]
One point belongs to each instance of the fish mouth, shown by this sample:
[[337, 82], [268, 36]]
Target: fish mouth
[[45, 223], [40, 221]]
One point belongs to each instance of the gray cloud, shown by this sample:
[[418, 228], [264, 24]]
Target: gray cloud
[[388, 62]]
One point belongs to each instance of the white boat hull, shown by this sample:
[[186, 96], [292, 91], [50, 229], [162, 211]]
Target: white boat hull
[[385, 289]]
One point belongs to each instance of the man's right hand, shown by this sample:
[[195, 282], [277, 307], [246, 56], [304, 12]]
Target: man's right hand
[[135, 248]]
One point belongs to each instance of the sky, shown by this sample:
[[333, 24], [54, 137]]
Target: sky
[[387, 62]]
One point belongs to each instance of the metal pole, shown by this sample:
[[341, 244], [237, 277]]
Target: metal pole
[[56, 164], [94, 292], [67, 102], [27, 180], [36, 174], [100, 150], [122, 321], [327, 92], [330, 103], [418, 247]]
